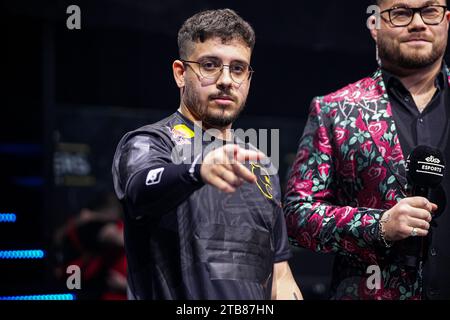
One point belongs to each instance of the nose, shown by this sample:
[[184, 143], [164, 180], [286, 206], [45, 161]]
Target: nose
[[224, 79], [417, 23]]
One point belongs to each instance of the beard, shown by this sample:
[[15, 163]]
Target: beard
[[412, 59], [212, 118]]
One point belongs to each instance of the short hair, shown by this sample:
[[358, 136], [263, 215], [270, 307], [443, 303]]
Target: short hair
[[225, 24]]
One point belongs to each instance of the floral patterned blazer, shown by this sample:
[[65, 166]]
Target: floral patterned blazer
[[349, 169]]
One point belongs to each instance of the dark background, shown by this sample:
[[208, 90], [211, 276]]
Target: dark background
[[69, 95]]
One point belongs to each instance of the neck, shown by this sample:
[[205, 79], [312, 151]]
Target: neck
[[223, 133], [419, 81]]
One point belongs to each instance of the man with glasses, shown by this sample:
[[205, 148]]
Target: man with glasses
[[199, 225], [348, 192]]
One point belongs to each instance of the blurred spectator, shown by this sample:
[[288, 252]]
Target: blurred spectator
[[93, 240]]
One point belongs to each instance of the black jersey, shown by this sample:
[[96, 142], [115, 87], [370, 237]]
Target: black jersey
[[188, 240]]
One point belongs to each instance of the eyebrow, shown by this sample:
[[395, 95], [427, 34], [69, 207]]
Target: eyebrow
[[217, 58], [406, 5], [208, 57]]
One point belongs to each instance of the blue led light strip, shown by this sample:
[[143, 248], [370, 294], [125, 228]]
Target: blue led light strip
[[66, 296], [7, 217], [29, 182], [21, 148], [22, 254]]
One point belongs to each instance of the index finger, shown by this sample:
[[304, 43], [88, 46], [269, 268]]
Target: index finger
[[421, 202], [242, 172], [237, 154], [244, 155]]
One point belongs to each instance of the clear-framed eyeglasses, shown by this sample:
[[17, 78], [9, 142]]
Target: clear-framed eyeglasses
[[213, 68]]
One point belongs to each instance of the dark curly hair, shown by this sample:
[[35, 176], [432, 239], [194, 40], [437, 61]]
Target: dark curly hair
[[223, 23]]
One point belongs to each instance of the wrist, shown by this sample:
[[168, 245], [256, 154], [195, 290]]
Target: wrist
[[382, 231]]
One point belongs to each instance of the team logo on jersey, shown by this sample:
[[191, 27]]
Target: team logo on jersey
[[184, 130], [181, 134], [264, 184], [154, 176]]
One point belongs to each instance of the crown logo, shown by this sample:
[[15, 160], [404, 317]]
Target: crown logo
[[433, 160]]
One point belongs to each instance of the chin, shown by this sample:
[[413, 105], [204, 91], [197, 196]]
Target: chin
[[221, 119], [222, 115], [421, 52], [418, 55]]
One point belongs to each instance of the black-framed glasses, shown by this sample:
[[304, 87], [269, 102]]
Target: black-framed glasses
[[213, 68], [403, 16]]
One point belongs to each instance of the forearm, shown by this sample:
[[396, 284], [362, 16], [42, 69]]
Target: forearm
[[157, 190], [328, 228]]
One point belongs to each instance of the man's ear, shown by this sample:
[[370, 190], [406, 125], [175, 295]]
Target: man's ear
[[447, 17], [250, 81], [372, 22], [178, 73]]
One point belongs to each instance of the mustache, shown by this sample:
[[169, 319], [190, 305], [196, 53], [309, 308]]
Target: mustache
[[222, 95], [416, 37]]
